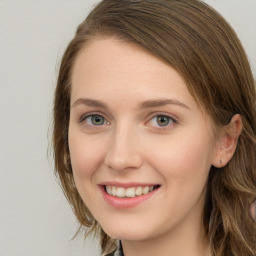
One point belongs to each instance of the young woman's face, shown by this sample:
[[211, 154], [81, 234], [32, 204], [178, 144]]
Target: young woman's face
[[134, 128]]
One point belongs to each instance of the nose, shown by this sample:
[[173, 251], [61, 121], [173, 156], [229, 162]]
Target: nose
[[124, 151]]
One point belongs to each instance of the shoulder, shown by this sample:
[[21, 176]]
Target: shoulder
[[114, 253], [117, 252], [110, 254]]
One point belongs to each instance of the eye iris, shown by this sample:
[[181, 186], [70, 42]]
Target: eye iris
[[163, 120], [97, 120]]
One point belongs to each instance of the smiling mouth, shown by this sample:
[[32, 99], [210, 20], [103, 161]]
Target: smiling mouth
[[131, 192]]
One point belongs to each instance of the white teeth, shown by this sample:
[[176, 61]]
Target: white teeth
[[138, 191], [145, 190], [113, 191], [108, 188], [120, 192], [128, 192]]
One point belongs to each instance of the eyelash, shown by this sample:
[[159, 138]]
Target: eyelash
[[171, 121], [83, 119]]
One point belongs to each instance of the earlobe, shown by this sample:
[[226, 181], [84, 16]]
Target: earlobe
[[227, 142]]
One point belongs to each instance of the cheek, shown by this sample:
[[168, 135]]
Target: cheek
[[183, 157], [86, 155], [184, 164]]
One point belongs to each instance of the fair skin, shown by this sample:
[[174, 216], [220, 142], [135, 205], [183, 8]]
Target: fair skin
[[133, 123]]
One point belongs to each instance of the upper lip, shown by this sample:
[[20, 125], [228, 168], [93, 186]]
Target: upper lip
[[127, 184]]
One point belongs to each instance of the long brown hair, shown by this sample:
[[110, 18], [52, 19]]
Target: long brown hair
[[196, 41]]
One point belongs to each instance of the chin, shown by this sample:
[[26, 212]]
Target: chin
[[123, 232]]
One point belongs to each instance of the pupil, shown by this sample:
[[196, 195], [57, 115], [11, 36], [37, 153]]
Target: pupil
[[163, 120], [97, 120]]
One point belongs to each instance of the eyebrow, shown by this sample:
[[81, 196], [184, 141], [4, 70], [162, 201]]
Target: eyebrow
[[163, 102], [143, 105], [90, 103]]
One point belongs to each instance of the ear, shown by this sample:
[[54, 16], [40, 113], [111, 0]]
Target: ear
[[227, 141], [253, 210]]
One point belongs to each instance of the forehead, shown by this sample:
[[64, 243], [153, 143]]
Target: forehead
[[115, 56], [119, 67]]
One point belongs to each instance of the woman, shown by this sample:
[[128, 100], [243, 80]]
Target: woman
[[154, 130]]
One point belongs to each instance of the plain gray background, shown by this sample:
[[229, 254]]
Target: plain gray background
[[35, 218]]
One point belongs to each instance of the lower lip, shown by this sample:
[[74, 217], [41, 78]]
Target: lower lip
[[126, 202]]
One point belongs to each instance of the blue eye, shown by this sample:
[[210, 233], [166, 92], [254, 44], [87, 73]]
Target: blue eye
[[162, 121], [94, 120]]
